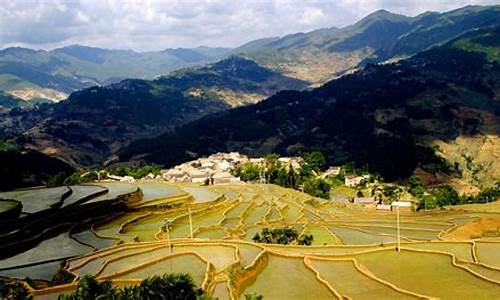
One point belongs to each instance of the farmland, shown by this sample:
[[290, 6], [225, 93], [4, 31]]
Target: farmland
[[210, 234]]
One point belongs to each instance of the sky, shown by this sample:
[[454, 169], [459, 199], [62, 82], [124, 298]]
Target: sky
[[146, 25]]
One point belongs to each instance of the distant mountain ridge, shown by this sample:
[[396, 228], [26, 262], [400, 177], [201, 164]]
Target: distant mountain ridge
[[75, 67], [438, 111], [322, 54], [88, 127]]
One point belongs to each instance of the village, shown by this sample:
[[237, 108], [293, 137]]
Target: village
[[218, 169]]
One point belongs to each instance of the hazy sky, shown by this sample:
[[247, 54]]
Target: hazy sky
[[153, 25]]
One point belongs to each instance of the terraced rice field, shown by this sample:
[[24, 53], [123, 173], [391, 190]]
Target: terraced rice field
[[34, 200], [353, 254]]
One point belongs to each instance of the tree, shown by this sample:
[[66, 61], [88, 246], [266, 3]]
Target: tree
[[306, 239], [317, 187], [415, 186], [253, 296], [166, 287], [315, 160], [446, 195], [248, 171]]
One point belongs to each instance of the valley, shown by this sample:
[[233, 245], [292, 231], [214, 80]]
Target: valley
[[287, 159]]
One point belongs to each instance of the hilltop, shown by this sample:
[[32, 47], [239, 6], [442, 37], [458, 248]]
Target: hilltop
[[424, 113], [88, 127], [52, 75], [321, 54]]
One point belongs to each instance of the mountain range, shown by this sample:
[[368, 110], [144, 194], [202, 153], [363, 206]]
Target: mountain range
[[315, 56], [408, 94], [381, 36], [437, 112], [52, 75], [92, 124]]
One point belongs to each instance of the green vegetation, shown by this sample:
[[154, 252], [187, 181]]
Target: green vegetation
[[445, 195], [283, 236], [276, 172], [138, 171], [171, 287], [13, 291]]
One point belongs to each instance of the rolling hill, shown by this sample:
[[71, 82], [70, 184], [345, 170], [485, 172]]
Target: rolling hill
[[34, 74], [93, 123], [437, 112], [325, 53]]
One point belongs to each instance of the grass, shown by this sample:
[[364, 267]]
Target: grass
[[462, 251], [427, 274], [349, 282], [297, 282]]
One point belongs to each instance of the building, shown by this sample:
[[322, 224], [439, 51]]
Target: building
[[386, 207], [353, 180], [198, 176], [333, 171], [365, 201], [402, 205], [173, 175], [224, 177], [128, 179]]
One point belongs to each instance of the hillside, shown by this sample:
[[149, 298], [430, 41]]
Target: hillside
[[95, 122], [52, 75], [438, 111], [322, 54]]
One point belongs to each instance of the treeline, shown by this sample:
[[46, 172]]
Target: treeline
[[275, 172], [444, 195], [282, 236], [166, 287]]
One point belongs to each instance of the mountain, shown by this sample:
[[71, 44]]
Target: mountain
[[437, 113], [88, 127], [52, 75], [322, 54]]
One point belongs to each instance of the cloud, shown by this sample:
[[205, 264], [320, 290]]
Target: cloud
[[158, 24]]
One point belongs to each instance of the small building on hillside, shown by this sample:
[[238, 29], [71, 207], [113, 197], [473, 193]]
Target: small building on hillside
[[369, 202], [403, 206], [128, 179], [386, 207], [173, 175], [198, 176], [353, 180], [333, 171], [224, 177]]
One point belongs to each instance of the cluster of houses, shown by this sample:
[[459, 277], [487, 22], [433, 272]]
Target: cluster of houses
[[214, 169]]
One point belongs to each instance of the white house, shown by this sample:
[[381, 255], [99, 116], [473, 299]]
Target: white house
[[402, 205], [353, 180], [224, 177]]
